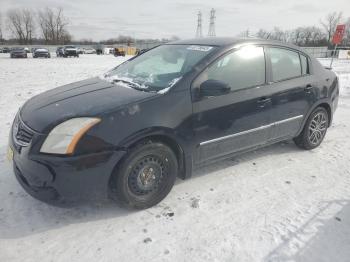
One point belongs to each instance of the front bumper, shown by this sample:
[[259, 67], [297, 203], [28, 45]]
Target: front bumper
[[19, 55], [55, 178], [41, 55], [70, 53]]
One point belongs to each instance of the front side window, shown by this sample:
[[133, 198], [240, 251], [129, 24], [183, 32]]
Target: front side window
[[160, 68], [285, 64], [240, 69]]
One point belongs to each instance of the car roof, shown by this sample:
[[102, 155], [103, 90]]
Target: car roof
[[231, 41]]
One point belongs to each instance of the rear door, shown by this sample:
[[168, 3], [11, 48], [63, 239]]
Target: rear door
[[239, 119], [292, 90]]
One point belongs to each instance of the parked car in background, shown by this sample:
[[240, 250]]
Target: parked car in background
[[18, 52], [27, 50], [59, 51], [181, 105], [6, 50], [41, 52], [89, 50], [70, 50]]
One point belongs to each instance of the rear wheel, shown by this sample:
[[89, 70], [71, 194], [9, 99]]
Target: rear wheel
[[145, 176], [314, 130]]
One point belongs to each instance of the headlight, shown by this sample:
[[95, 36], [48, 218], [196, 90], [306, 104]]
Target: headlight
[[65, 136]]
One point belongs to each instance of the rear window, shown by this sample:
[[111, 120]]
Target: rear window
[[285, 64]]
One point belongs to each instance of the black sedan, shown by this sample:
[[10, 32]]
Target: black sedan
[[18, 52], [41, 52], [161, 114]]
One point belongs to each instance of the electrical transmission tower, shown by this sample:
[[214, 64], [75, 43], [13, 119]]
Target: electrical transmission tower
[[199, 25], [211, 31]]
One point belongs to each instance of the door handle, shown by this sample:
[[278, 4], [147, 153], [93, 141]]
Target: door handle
[[308, 88], [263, 101]]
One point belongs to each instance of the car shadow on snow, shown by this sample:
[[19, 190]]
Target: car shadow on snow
[[323, 237], [21, 215]]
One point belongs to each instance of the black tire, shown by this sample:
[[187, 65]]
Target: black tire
[[314, 130], [129, 183]]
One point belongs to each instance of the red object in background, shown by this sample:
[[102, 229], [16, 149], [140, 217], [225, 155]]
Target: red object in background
[[338, 35]]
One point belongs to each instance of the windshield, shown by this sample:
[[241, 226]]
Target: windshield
[[160, 68]]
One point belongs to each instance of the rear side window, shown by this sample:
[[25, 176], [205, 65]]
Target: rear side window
[[240, 69], [285, 64], [304, 65]]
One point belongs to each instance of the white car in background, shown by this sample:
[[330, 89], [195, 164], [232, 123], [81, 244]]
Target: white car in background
[[89, 50]]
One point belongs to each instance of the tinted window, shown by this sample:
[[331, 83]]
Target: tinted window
[[285, 64], [304, 65], [240, 69]]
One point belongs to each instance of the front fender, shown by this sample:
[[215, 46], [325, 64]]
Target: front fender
[[168, 136]]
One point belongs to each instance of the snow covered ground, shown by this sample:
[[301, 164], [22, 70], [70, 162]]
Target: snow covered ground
[[279, 203]]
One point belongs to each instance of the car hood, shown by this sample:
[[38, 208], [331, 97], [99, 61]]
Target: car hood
[[41, 51], [91, 97]]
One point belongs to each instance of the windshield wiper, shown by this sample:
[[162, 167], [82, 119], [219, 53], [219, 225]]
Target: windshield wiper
[[132, 84]]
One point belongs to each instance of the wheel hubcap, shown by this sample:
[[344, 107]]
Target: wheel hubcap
[[317, 128], [146, 176]]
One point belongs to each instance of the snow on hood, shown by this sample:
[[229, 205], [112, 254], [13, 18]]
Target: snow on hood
[[171, 84], [115, 78]]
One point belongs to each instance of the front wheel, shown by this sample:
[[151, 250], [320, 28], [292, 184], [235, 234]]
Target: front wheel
[[145, 176], [314, 130]]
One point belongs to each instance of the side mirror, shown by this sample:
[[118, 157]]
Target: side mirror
[[214, 88]]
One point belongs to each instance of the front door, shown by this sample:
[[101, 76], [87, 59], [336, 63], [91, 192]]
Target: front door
[[238, 119]]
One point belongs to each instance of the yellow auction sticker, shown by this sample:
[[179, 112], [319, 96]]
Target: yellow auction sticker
[[9, 154]]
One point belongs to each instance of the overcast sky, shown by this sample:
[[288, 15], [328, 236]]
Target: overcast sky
[[103, 19]]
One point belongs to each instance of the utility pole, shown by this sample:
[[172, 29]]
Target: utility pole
[[199, 25], [211, 31]]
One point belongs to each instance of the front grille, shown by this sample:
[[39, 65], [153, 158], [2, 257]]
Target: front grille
[[21, 133]]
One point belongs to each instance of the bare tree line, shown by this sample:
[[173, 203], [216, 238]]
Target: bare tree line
[[309, 35], [50, 25], [25, 25], [1, 35]]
